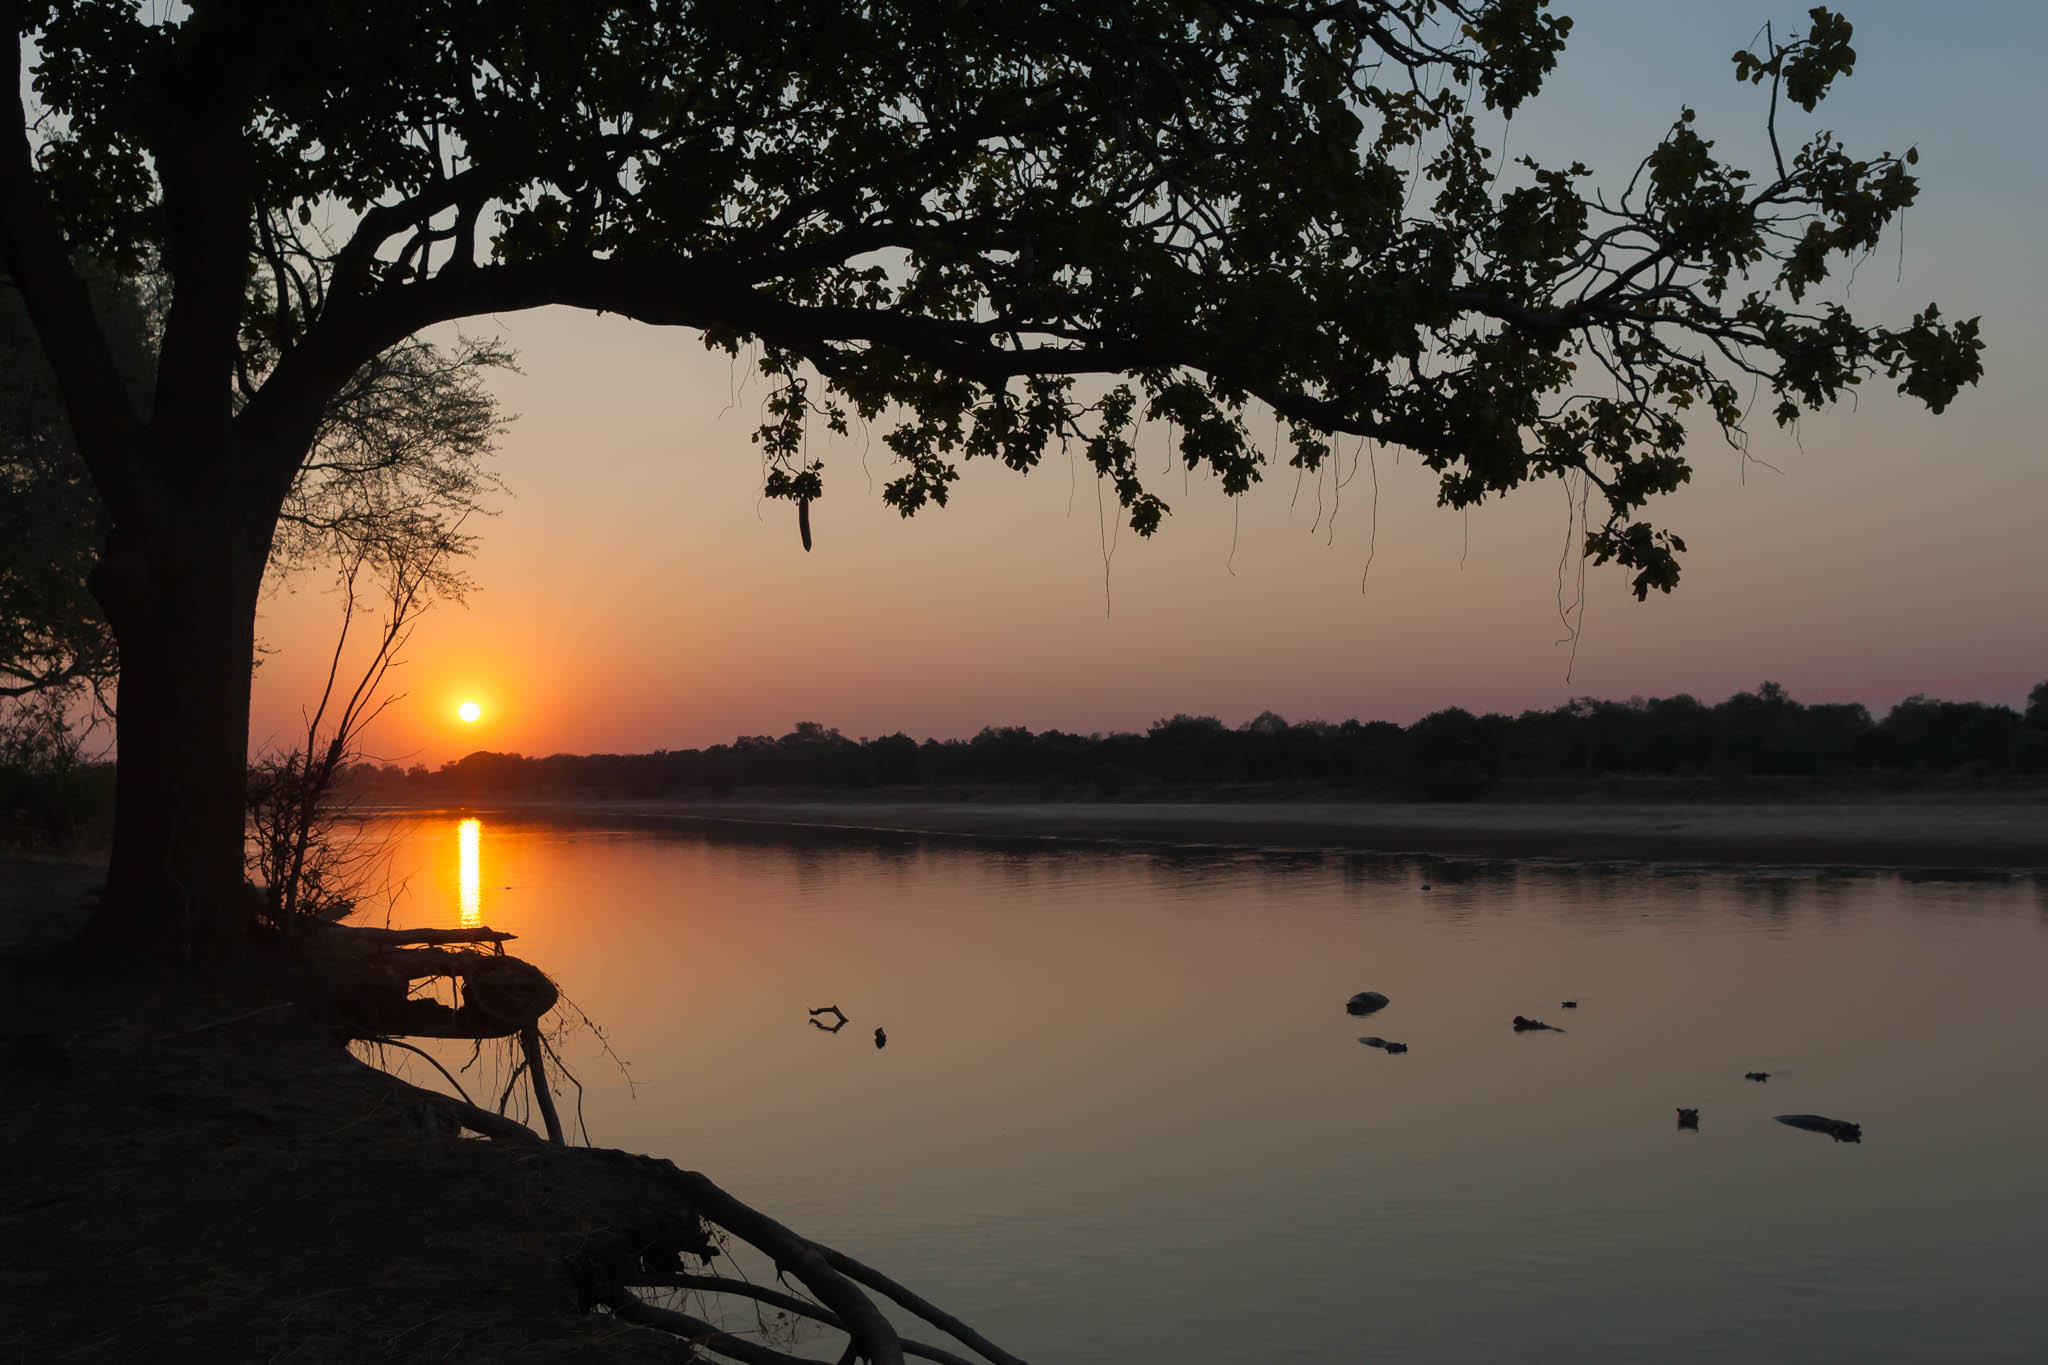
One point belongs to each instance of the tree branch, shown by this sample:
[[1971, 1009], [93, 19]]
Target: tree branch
[[108, 429], [202, 160]]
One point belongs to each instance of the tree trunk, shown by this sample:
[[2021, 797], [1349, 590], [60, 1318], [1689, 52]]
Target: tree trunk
[[182, 603]]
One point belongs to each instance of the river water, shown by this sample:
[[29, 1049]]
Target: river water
[[1123, 1115]]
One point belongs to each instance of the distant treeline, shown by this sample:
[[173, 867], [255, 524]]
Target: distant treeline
[[1450, 755]]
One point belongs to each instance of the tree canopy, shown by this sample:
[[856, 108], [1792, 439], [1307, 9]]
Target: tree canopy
[[995, 230], [398, 467], [950, 216]]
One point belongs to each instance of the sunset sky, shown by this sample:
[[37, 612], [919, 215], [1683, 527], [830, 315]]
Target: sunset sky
[[635, 593]]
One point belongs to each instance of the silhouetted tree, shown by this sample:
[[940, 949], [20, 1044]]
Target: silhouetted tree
[[1949, 735], [398, 466], [1189, 748], [950, 214], [1448, 758], [2030, 748], [892, 760]]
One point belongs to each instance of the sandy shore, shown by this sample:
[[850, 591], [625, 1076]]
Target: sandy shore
[[1902, 834]]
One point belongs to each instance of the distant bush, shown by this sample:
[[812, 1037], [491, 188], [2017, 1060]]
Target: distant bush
[[1449, 755]]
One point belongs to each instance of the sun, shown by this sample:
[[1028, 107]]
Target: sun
[[470, 712]]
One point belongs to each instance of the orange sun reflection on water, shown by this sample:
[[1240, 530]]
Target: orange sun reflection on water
[[469, 836]]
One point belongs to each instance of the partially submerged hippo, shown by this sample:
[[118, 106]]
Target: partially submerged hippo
[[1841, 1130], [1537, 1025], [1366, 1002], [1396, 1048], [1689, 1118]]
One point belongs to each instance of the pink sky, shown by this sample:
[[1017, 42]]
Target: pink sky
[[636, 594]]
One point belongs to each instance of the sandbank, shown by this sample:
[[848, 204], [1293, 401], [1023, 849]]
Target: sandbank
[[1953, 834]]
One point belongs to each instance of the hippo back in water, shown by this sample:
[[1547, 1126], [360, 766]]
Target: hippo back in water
[[1365, 1002]]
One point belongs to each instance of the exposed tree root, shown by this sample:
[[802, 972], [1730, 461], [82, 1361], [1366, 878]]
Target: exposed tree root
[[365, 976], [788, 1303], [536, 1067], [698, 1332], [930, 1312]]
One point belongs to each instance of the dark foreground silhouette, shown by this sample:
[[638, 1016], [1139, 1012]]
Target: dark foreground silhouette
[[185, 1128]]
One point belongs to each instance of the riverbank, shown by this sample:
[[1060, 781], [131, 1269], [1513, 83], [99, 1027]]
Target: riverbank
[[195, 1172], [1998, 832]]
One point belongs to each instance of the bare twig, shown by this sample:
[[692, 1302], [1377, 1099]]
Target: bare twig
[[432, 1061]]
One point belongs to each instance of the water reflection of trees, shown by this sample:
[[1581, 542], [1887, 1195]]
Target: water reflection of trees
[[1204, 880]]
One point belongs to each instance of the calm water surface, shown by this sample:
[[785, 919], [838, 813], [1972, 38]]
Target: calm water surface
[[1122, 1114]]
